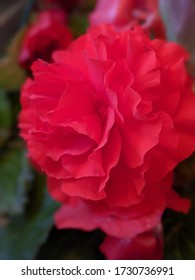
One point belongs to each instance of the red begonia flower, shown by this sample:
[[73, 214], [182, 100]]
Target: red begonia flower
[[124, 13], [145, 246], [107, 122], [48, 33]]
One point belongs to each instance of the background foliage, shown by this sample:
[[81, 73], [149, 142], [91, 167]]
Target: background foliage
[[26, 211]]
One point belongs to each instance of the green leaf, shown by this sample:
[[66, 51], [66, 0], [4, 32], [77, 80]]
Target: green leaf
[[179, 231], [5, 117], [12, 75], [14, 173], [88, 5], [78, 24], [26, 233], [72, 245]]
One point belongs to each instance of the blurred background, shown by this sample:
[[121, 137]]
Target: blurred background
[[27, 228]]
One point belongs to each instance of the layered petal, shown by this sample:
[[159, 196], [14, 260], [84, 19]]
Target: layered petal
[[145, 246], [107, 122]]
